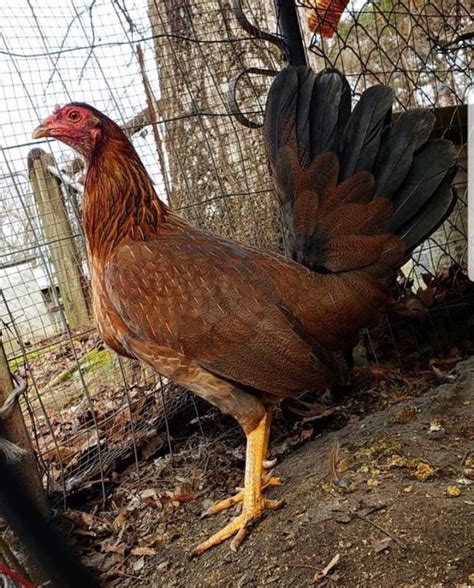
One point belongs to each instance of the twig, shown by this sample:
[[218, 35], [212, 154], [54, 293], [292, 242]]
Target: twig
[[292, 565], [445, 44], [397, 540], [127, 17], [465, 456], [152, 103], [374, 508], [319, 576], [333, 460]]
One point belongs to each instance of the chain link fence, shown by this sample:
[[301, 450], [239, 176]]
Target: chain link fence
[[86, 408]]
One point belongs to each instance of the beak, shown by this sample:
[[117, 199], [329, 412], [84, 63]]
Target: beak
[[41, 131]]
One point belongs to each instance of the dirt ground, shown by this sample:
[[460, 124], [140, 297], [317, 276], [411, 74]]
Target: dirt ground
[[399, 512]]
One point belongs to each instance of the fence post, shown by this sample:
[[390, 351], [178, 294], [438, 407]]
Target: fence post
[[15, 431], [58, 234], [289, 27]]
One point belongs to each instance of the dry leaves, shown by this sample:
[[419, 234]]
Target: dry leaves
[[405, 415], [422, 470], [454, 491]]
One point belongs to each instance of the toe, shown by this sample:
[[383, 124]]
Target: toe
[[269, 481], [231, 529], [224, 504]]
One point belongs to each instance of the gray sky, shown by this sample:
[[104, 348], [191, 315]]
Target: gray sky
[[34, 75]]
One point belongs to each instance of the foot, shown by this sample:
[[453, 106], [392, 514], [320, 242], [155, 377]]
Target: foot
[[268, 482], [253, 503], [240, 526]]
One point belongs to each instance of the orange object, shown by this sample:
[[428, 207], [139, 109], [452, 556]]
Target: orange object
[[324, 17]]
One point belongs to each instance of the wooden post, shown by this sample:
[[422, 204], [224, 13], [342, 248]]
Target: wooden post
[[59, 237]]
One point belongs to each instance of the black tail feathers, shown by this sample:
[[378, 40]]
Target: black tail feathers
[[354, 185]]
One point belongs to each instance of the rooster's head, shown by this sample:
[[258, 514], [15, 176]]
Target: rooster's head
[[78, 125]]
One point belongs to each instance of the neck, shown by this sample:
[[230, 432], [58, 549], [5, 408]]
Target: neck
[[120, 202]]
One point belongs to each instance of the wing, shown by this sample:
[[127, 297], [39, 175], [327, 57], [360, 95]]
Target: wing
[[210, 300]]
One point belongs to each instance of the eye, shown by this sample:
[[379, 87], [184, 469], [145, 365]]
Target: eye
[[74, 115]]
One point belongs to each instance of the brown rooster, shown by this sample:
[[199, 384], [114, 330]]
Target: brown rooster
[[237, 326]]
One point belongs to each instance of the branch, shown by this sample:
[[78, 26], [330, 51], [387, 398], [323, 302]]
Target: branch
[[446, 45], [152, 106]]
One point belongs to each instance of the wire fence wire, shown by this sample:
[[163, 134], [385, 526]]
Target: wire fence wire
[[86, 408]]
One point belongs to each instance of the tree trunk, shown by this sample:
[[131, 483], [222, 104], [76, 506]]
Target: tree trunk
[[14, 429], [218, 168]]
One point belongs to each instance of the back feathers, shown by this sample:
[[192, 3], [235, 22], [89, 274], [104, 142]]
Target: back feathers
[[358, 191]]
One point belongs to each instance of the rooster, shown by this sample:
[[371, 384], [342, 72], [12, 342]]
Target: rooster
[[243, 328]]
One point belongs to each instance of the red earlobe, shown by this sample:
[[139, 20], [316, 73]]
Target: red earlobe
[[94, 136]]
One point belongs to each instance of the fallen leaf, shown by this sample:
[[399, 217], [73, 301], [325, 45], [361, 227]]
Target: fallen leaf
[[119, 521], [454, 491], [111, 545], [423, 471], [143, 551], [148, 493], [405, 415], [139, 564]]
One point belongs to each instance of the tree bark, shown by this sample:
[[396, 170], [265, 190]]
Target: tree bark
[[218, 168]]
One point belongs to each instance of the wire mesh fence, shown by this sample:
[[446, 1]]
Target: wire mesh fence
[[86, 408]]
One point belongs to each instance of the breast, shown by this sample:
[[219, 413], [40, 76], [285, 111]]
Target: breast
[[111, 327]]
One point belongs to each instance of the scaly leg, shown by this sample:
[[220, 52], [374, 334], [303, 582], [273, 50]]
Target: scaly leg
[[267, 480], [254, 504]]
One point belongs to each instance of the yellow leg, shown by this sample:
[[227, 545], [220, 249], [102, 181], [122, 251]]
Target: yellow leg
[[253, 502], [268, 480]]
